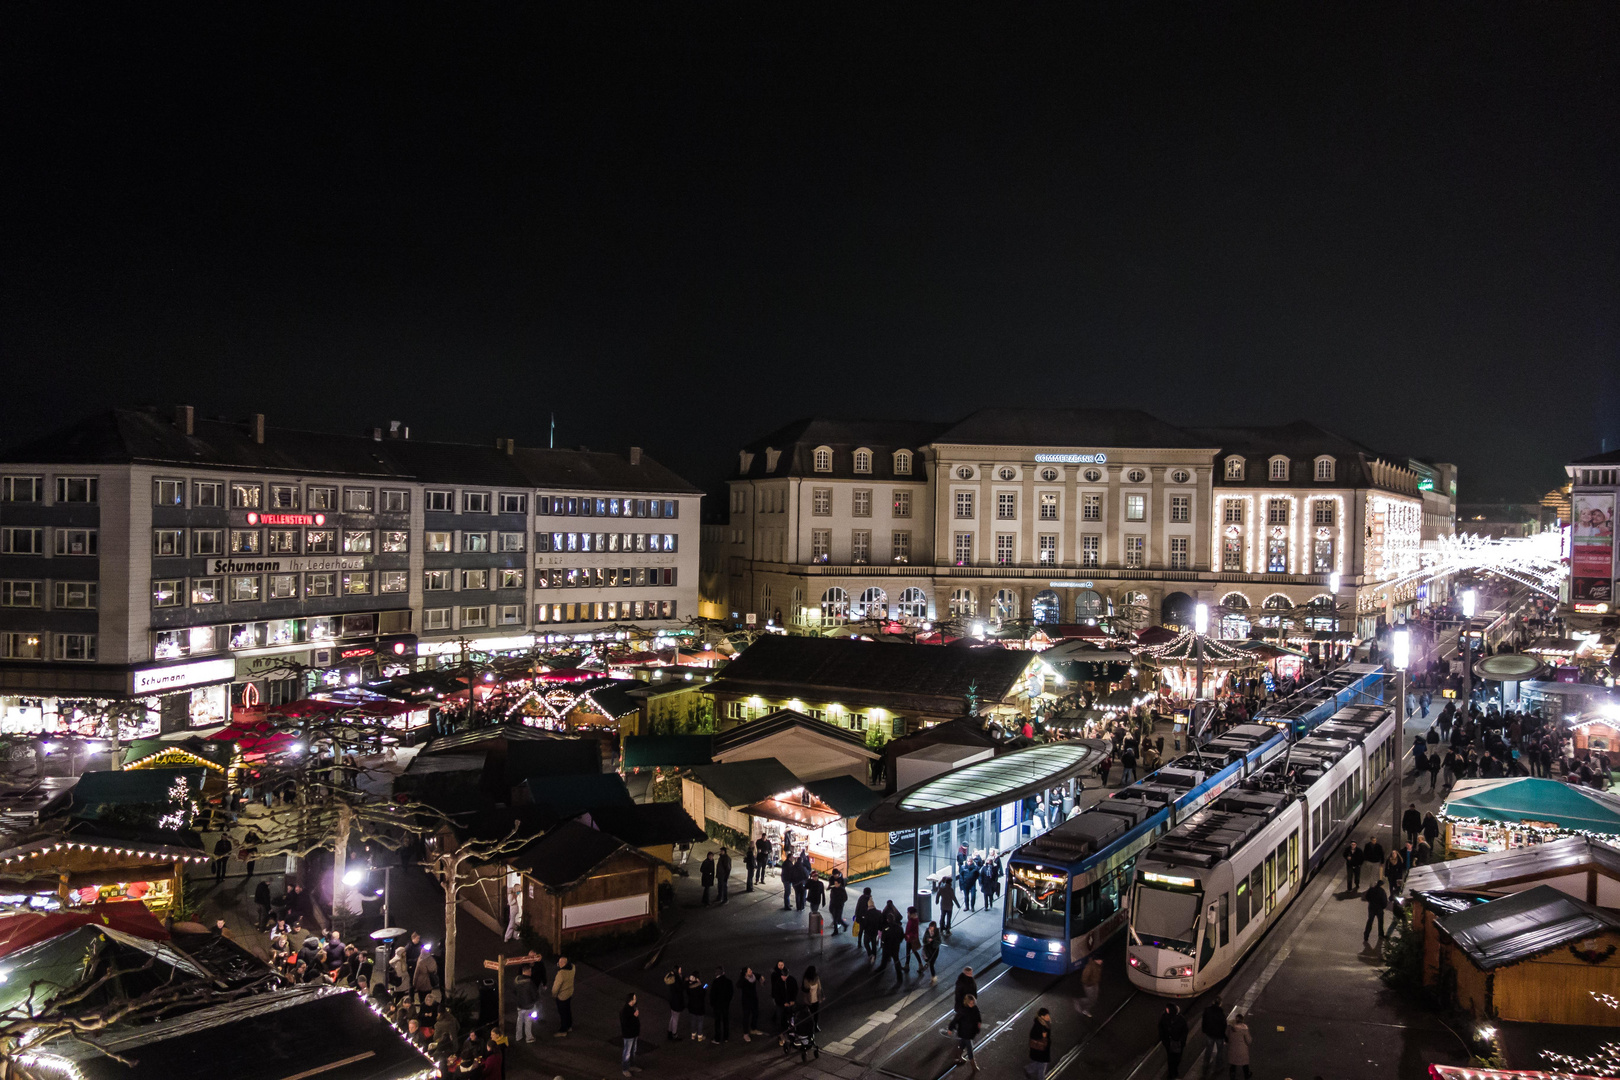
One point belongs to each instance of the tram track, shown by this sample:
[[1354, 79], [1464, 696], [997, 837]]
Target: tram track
[[931, 1029]]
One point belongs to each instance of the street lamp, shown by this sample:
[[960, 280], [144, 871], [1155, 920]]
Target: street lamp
[[1400, 651], [1200, 628], [1465, 639], [1335, 579]]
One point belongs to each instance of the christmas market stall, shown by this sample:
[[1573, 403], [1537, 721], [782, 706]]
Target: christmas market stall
[[1515, 812], [1178, 660]]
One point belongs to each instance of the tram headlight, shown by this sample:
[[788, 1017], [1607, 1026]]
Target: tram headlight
[[1054, 946], [1010, 938], [1134, 962], [1178, 973]]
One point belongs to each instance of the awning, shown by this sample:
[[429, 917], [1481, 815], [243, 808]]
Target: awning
[[1523, 926], [845, 794], [740, 783], [983, 785], [1530, 799]]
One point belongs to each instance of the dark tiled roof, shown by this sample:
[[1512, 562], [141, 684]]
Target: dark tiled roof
[[818, 667], [785, 720], [1523, 926], [614, 699], [1131, 428], [798, 442], [566, 854], [1301, 442], [742, 783], [845, 794], [666, 751], [647, 824], [1610, 458], [566, 796]]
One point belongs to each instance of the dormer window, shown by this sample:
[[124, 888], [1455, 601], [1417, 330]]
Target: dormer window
[[1324, 468], [902, 463], [823, 459], [745, 460], [1234, 468], [863, 460], [1279, 468], [772, 456]]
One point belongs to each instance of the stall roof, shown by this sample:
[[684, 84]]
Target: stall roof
[[102, 788], [27, 928], [667, 751], [646, 824], [845, 794], [784, 720], [566, 854], [742, 783], [1528, 798], [1501, 868], [1523, 926], [613, 700], [983, 785], [1508, 667], [566, 796], [213, 752]]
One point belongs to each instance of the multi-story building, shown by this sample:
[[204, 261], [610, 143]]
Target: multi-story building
[[1590, 603], [144, 555], [1068, 515]]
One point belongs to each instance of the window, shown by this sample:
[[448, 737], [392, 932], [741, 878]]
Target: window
[[75, 489], [1180, 476], [1007, 472], [475, 579], [320, 541], [823, 459], [1135, 546], [820, 545], [395, 501], [479, 541], [863, 460], [821, 502], [20, 593], [1049, 506], [322, 498], [1277, 555], [22, 541], [436, 580], [208, 493], [1136, 476], [475, 616], [834, 606], [1232, 553], [283, 497], [22, 489], [438, 541], [902, 504], [439, 500], [393, 581], [476, 502], [860, 547], [24, 645], [169, 493], [509, 579], [1234, 468], [359, 500], [1006, 505], [1091, 508], [1324, 468], [511, 614], [75, 646], [1181, 508], [1322, 513], [1279, 468], [1178, 553], [168, 592], [436, 619], [1091, 550], [1004, 549], [1322, 555], [75, 541], [283, 586], [321, 584], [1093, 476], [1276, 511], [863, 502], [283, 541], [900, 547], [1135, 507], [205, 590], [962, 549], [1046, 549], [168, 542], [1232, 512], [396, 540], [964, 505], [902, 463], [1049, 475], [244, 588], [518, 504], [245, 496], [246, 542], [963, 603], [357, 583]]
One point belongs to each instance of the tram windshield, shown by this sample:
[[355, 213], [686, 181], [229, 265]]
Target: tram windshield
[[1166, 915], [1037, 901]]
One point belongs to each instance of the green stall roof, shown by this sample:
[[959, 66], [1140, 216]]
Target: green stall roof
[[1530, 799]]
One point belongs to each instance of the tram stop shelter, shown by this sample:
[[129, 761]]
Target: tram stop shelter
[[980, 804], [1515, 812]]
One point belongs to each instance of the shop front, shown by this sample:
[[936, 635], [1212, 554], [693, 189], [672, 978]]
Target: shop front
[[818, 820], [1516, 812], [84, 868], [145, 702]]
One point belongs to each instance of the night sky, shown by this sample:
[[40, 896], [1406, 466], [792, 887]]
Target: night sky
[[678, 226]]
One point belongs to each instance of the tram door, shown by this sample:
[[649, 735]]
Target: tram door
[[1271, 882]]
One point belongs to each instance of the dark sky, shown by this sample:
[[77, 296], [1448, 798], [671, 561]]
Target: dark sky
[[680, 225]]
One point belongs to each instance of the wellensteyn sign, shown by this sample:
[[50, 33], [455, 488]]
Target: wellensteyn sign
[[285, 566]]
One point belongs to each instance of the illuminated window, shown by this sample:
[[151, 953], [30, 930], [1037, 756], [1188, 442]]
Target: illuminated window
[[902, 504], [1234, 468], [1004, 549], [168, 542], [821, 502], [1046, 550], [1090, 550], [962, 549], [320, 541], [823, 459], [1135, 547], [283, 497], [1279, 468], [900, 547], [1178, 553], [245, 496], [963, 603], [1049, 506], [168, 492], [1135, 507], [1091, 508], [820, 545], [863, 460], [860, 547]]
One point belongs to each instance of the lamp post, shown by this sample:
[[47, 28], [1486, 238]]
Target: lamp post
[[1200, 628], [1401, 655], [1468, 601], [1334, 581]]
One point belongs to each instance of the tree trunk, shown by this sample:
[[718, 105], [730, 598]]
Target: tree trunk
[[451, 866], [340, 862]]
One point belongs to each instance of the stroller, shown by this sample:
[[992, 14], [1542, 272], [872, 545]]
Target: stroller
[[800, 1036]]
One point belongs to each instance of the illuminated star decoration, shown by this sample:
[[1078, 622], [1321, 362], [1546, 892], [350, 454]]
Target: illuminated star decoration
[[1532, 561]]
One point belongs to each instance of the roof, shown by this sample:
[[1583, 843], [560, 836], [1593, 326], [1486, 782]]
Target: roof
[[1523, 926], [648, 824], [560, 757], [137, 786], [1529, 798], [1608, 457], [845, 794], [566, 796], [1108, 428], [614, 699], [566, 854], [475, 740], [215, 752], [983, 785], [923, 675], [742, 783], [1499, 869], [666, 751], [27, 928], [798, 441], [784, 720], [138, 436], [1302, 443]]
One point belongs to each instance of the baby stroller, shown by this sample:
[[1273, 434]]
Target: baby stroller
[[800, 1036]]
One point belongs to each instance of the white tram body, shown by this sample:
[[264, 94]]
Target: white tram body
[[1216, 882]]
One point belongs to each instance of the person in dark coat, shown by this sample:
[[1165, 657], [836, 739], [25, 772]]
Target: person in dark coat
[[748, 1002], [721, 991], [1431, 828], [1412, 823], [1173, 1037], [261, 897], [871, 930], [222, 854], [722, 876], [780, 997], [967, 1022], [989, 882], [630, 1033], [706, 876], [1377, 901], [893, 938], [697, 1003], [837, 896], [947, 904], [749, 863], [1373, 852], [970, 882], [250, 850], [801, 878], [1353, 858], [1214, 1024], [675, 982], [814, 893], [1040, 1046], [762, 857], [965, 984]]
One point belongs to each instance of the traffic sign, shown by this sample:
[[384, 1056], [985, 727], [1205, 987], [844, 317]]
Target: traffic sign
[[492, 965]]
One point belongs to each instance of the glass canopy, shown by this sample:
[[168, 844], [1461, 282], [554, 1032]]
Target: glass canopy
[[984, 784]]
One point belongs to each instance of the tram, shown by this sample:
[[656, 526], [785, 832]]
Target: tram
[[1213, 884], [1067, 889]]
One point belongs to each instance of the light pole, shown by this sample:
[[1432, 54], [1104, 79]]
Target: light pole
[[1467, 648], [1334, 580], [1400, 654], [1200, 628]]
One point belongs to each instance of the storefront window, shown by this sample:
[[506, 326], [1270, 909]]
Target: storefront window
[[323, 629]]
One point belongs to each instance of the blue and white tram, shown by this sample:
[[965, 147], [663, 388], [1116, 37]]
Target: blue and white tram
[[1213, 884]]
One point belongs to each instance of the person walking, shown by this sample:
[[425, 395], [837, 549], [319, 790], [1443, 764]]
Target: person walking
[[706, 876], [722, 876], [1412, 823], [893, 937], [1373, 852], [1431, 829], [562, 991], [970, 883], [748, 866], [1040, 1046], [810, 994], [261, 897], [1090, 986], [630, 1033], [871, 930], [748, 1003], [1127, 761], [222, 855], [862, 902], [837, 897], [721, 991], [814, 893], [1394, 870], [1434, 771], [930, 952], [697, 1000], [913, 939], [947, 904], [968, 1023], [1173, 1037], [1238, 1040], [675, 984], [1353, 858], [965, 984], [1377, 900], [1213, 1023], [524, 995]]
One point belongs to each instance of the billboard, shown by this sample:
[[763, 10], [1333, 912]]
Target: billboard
[[1592, 549]]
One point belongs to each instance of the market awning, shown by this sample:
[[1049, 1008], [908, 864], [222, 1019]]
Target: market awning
[[983, 785], [1528, 799], [1523, 926], [845, 794], [740, 783]]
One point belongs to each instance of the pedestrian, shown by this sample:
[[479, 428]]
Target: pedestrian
[[1373, 851], [801, 878], [1238, 1040], [748, 1003], [1431, 828], [1103, 767], [1377, 900], [780, 996], [697, 1000], [990, 881], [630, 1033], [762, 857], [1412, 822], [1214, 1024], [261, 897], [422, 976], [965, 984], [523, 993], [250, 850], [871, 930], [947, 904], [675, 984], [1040, 1046], [913, 939], [1394, 870], [1434, 771], [562, 991], [494, 1061], [1127, 761], [893, 938], [968, 1022], [748, 866], [222, 854], [706, 876], [930, 952], [837, 896], [722, 876], [787, 874], [814, 893], [862, 902], [399, 975], [721, 991], [1353, 858], [1090, 986], [1173, 1037], [970, 882], [810, 993]]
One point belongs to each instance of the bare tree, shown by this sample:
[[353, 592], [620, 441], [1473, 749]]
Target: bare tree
[[448, 867]]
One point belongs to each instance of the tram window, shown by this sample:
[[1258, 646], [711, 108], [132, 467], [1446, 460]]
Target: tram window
[[1257, 887], [1224, 914], [1293, 857], [1242, 904]]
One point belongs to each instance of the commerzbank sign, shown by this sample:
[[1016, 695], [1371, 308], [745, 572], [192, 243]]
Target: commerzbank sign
[[1073, 459], [285, 566]]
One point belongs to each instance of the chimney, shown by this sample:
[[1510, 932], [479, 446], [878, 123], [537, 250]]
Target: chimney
[[185, 419], [376, 434], [635, 455], [393, 429], [258, 428]]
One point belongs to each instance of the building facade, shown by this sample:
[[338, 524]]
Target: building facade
[[1589, 604], [1072, 515], [197, 562]]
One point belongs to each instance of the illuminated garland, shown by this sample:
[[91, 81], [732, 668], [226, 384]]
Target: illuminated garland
[[1183, 650], [1606, 1062]]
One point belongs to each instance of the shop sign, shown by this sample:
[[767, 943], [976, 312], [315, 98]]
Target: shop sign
[[257, 667], [1592, 549], [285, 566], [256, 518], [162, 680], [1073, 459], [1070, 584]]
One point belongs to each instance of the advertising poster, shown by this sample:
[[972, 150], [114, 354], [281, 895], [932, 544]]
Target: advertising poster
[[1592, 549]]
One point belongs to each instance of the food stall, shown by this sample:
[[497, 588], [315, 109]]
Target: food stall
[[1590, 714], [1514, 812]]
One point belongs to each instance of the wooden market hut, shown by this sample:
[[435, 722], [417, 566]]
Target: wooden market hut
[[580, 883], [1539, 956], [1517, 811], [90, 862]]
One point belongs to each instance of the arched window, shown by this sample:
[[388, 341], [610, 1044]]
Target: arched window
[[873, 604], [823, 459], [863, 460], [764, 610], [1271, 606], [1046, 607], [1006, 605], [902, 463], [1324, 468], [913, 604], [834, 607], [1321, 613], [964, 604], [1088, 605], [1178, 611], [1235, 624], [1135, 600], [1279, 468], [796, 612], [1234, 468]]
